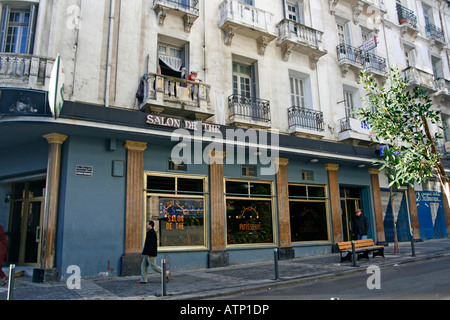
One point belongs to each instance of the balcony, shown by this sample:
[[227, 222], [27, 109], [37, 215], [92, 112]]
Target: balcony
[[300, 38], [306, 122], [356, 59], [25, 71], [419, 78], [375, 64], [443, 89], [186, 9], [354, 131], [246, 20], [359, 7], [178, 97], [407, 20], [249, 112], [436, 35]]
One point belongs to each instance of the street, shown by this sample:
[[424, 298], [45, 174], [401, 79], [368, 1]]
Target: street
[[425, 280]]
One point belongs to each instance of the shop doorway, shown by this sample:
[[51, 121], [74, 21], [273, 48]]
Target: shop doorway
[[350, 201], [25, 225]]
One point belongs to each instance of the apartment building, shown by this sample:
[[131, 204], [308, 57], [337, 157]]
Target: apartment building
[[103, 127]]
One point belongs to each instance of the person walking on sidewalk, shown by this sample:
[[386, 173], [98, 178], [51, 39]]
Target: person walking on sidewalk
[[360, 225], [150, 252], [3, 254]]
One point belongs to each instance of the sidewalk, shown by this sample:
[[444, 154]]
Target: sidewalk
[[208, 283]]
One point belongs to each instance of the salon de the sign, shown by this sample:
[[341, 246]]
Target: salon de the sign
[[182, 123]]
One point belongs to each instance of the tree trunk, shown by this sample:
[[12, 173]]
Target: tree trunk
[[396, 250]]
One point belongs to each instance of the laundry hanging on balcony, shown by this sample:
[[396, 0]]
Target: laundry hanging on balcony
[[172, 63]]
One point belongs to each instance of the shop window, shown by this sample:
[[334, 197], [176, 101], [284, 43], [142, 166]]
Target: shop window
[[308, 213], [177, 205], [249, 210]]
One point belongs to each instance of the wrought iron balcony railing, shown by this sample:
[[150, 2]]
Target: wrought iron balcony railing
[[249, 108], [305, 118], [369, 61], [435, 32], [350, 54], [406, 16], [372, 62]]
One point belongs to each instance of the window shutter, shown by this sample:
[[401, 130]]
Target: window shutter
[[4, 26], [31, 29]]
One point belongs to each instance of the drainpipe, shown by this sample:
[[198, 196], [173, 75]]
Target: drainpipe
[[109, 51], [204, 42]]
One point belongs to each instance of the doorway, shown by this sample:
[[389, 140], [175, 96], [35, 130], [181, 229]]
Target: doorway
[[25, 223], [350, 201]]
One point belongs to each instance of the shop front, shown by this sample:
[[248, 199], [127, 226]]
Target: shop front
[[116, 169]]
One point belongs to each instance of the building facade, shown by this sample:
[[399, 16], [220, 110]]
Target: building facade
[[261, 151]]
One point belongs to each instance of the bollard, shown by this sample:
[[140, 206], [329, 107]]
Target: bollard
[[353, 253], [275, 259], [413, 248], [163, 277], [12, 273]]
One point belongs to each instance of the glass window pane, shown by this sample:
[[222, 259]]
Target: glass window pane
[[181, 222], [161, 184], [308, 221], [237, 187], [260, 189], [19, 190], [249, 221], [36, 189], [297, 191], [195, 185], [316, 191]]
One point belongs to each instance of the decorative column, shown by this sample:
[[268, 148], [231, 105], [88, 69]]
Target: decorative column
[[377, 206], [55, 141], [414, 215], [131, 261], [217, 257], [284, 225], [333, 187]]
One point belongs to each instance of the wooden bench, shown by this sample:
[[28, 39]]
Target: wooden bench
[[361, 249]]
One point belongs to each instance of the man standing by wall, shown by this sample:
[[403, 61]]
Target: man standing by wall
[[360, 225]]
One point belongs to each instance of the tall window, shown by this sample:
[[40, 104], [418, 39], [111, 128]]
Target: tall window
[[242, 80], [294, 11], [349, 104], [308, 213], [343, 32], [177, 203], [409, 57], [437, 67], [17, 29], [297, 92], [249, 211], [173, 57]]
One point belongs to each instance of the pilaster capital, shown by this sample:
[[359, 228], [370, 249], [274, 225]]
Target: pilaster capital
[[55, 138], [282, 161], [135, 145], [214, 154], [331, 167], [374, 171]]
